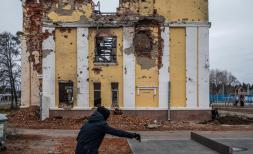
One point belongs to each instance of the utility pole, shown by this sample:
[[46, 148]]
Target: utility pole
[[248, 89]]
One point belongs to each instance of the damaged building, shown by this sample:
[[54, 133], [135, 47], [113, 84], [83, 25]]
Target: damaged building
[[149, 58]]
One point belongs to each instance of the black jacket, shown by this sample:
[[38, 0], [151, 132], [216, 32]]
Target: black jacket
[[92, 133]]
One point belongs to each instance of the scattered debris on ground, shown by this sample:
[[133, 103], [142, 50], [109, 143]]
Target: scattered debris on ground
[[233, 120], [117, 111], [230, 120], [154, 125], [29, 118], [23, 144]]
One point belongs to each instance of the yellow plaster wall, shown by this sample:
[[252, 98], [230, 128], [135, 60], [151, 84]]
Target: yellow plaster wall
[[187, 10], [109, 73], [171, 10], [146, 7], [65, 58], [148, 78], [84, 12], [128, 6], [178, 67]]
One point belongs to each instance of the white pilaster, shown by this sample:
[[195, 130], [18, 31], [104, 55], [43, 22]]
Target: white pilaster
[[129, 68], [191, 66], [82, 68], [203, 67], [25, 75], [164, 70], [48, 73]]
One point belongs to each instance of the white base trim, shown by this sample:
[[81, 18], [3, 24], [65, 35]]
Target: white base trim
[[72, 109], [82, 108], [188, 24], [135, 109], [183, 108], [23, 107], [143, 108], [130, 24]]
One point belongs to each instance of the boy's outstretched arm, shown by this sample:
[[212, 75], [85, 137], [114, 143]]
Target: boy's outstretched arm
[[120, 133]]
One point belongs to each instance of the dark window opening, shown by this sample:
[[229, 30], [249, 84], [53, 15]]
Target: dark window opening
[[115, 94], [66, 93], [97, 94], [106, 49]]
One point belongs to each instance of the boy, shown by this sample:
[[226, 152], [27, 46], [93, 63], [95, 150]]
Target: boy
[[92, 132]]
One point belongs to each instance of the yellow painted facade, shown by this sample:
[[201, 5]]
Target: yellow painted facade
[[171, 10], [148, 77], [106, 73], [175, 10], [178, 67], [146, 7], [158, 67], [65, 59], [183, 10], [82, 14]]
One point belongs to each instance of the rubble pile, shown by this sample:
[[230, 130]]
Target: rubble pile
[[28, 114], [128, 122], [29, 118]]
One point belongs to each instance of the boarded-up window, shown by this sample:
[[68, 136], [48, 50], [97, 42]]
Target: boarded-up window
[[115, 93], [106, 49], [97, 94]]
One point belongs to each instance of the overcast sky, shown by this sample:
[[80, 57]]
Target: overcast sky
[[231, 34]]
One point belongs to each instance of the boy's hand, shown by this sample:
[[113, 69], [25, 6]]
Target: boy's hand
[[137, 137]]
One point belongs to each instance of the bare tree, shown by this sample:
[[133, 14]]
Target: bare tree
[[222, 81], [9, 63], [224, 77]]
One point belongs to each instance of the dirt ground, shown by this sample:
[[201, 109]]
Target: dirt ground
[[30, 144], [29, 118]]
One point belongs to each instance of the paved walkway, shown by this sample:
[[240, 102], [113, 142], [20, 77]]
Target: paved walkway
[[246, 112], [146, 135], [174, 142], [169, 147], [43, 132], [163, 141]]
